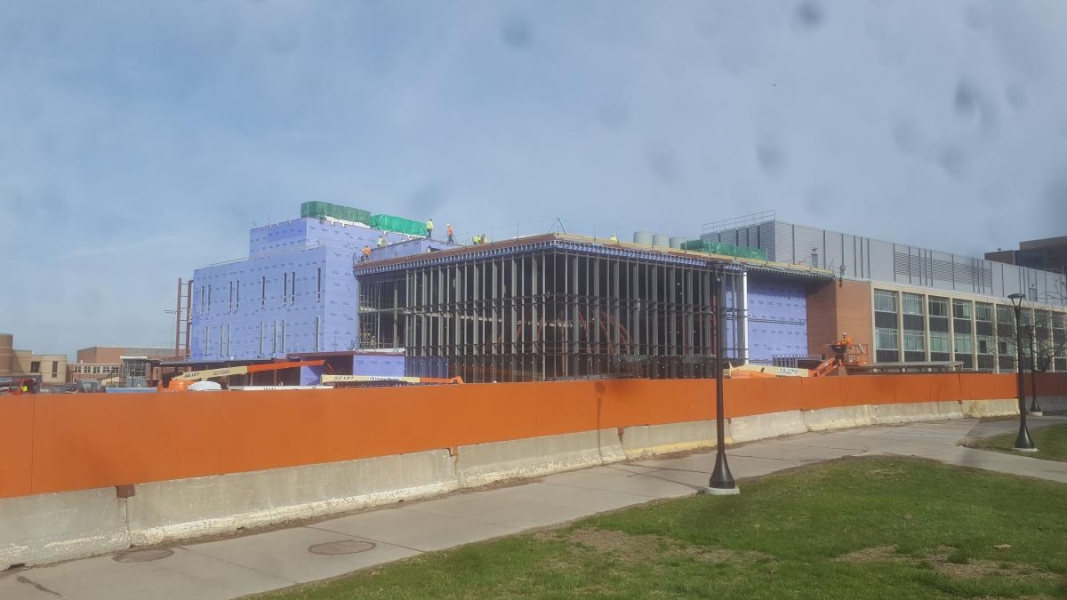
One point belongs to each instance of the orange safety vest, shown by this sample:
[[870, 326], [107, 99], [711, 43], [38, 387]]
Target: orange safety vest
[[366, 250], [450, 230]]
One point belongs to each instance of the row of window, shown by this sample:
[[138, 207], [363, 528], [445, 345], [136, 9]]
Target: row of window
[[976, 328], [94, 369], [912, 304], [288, 294]]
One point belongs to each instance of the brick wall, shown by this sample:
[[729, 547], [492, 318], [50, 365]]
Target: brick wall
[[100, 354], [836, 308]]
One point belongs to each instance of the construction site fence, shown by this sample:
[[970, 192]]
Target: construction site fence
[[55, 443]]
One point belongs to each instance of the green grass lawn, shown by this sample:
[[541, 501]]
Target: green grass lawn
[[858, 528], [1051, 442]]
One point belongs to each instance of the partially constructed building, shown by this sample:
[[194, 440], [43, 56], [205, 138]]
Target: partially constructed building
[[557, 306], [545, 307], [562, 307]]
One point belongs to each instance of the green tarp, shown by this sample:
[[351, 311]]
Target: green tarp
[[319, 210], [398, 224], [724, 249]]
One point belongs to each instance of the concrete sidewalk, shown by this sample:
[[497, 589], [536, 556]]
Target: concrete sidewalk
[[271, 560]]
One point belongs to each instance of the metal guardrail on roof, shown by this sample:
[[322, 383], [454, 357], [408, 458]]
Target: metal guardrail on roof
[[742, 221], [579, 244]]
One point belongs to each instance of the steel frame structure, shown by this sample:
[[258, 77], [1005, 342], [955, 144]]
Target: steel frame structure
[[551, 311]]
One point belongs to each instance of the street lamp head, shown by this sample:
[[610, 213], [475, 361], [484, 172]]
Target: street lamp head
[[1016, 299]]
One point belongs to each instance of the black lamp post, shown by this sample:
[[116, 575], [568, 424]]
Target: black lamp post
[[722, 481], [1035, 408], [1023, 443]]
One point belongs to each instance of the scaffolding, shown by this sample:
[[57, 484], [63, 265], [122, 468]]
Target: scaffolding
[[553, 312], [183, 316]]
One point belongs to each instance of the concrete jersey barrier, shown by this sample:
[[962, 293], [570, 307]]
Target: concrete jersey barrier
[[45, 528]]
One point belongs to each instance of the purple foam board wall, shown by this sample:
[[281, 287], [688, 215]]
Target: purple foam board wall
[[269, 316], [311, 375], [778, 318], [379, 365]]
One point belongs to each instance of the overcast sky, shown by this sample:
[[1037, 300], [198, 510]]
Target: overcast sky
[[140, 140]]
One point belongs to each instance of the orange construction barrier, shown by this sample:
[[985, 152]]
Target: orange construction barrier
[[54, 443]]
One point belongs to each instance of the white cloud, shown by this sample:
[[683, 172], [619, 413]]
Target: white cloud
[[140, 141]]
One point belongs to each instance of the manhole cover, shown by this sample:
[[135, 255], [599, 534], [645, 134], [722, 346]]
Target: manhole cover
[[140, 556], [342, 547]]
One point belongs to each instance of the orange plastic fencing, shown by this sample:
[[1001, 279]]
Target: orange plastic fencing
[[16, 445], [1048, 384], [52, 443]]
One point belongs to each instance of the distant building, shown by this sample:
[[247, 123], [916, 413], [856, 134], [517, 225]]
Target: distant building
[[51, 367], [115, 363], [1049, 254]]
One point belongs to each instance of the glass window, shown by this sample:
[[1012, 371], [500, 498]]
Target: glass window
[[983, 312], [914, 341], [938, 306], [985, 345], [886, 339], [885, 301], [1042, 319], [1005, 314], [961, 309], [913, 304], [939, 342], [964, 344]]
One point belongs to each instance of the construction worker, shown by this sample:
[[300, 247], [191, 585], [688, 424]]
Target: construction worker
[[429, 229], [366, 254], [448, 229], [613, 239], [25, 388], [846, 339], [381, 240], [485, 239]]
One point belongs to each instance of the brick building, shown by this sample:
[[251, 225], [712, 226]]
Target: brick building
[[51, 368], [101, 363], [1049, 254]]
